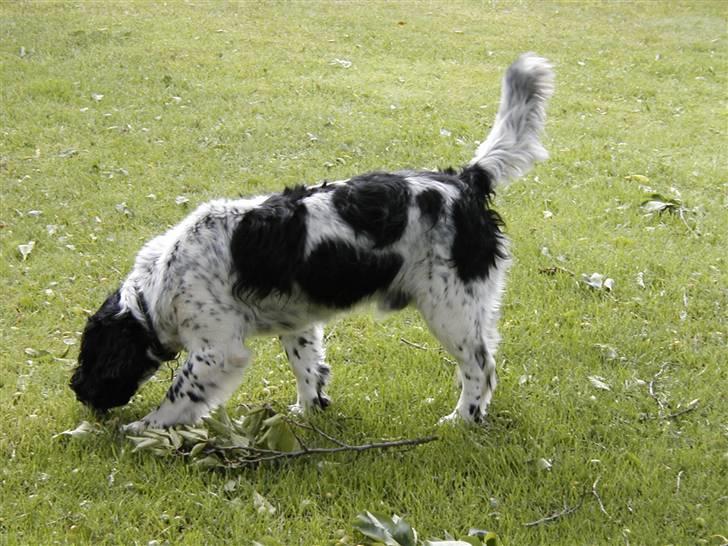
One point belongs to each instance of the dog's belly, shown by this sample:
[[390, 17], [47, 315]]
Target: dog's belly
[[283, 315]]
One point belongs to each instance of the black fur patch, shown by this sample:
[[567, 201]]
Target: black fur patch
[[478, 237], [376, 205], [337, 274], [396, 301], [113, 358], [431, 203], [268, 244], [446, 176], [479, 180]]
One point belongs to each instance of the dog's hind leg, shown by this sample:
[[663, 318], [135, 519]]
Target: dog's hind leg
[[478, 380], [306, 354], [465, 325]]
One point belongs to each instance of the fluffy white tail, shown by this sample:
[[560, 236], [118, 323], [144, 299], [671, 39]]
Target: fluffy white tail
[[514, 144]]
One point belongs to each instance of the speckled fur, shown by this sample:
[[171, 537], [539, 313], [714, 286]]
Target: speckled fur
[[284, 264]]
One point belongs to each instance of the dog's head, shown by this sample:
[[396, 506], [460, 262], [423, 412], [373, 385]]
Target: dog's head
[[116, 357]]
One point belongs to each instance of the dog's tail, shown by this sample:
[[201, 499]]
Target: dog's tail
[[514, 144]]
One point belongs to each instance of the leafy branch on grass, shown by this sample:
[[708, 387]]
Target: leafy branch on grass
[[658, 204], [260, 435], [395, 531]]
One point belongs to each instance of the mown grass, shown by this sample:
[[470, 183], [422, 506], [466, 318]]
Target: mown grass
[[225, 99]]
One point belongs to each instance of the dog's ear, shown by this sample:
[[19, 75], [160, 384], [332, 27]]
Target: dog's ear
[[114, 358]]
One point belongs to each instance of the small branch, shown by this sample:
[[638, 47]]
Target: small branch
[[677, 484], [554, 270], [651, 388], [681, 214], [413, 344], [690, 407], [599, 499], [558, 515], [266, 455], [311, 426]]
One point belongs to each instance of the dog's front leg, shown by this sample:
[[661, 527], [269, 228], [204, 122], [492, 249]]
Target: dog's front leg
[[207, 380], [306, 354]]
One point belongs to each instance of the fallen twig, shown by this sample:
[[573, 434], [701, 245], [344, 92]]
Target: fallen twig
[[599, 499], [690, 407], [311, 426], [659, 400], [413, 344], [557, 515], [677, 484], [651, 387], [257, 455], [554, 270]]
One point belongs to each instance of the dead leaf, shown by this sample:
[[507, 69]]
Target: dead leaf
[[81, 431], [599, 383], [261, 504], [598, 281], [343, 63], [123, 209], [26, 249]]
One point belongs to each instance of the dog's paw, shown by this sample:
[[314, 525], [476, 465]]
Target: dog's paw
[[137, 427], [450, 419], [320, 403]]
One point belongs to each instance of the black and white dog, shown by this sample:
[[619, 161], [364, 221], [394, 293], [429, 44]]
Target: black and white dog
[[285, 263]]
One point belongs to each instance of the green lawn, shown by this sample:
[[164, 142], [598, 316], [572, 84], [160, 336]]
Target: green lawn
[[118, 118]]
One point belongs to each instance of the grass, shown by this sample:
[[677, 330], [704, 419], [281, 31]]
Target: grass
[[226, 99]]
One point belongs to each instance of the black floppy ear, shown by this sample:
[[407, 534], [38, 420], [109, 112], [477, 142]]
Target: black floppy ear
[[114, 358]]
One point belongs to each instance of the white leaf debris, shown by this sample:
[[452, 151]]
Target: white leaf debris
[[598, 281], [82, 430], [599, 383], [26, 249], [261, 504], [343, 63]]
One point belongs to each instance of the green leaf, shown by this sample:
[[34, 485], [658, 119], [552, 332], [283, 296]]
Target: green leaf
[[377, 526], [273, 420], [251, 424], [176, 439], [145, 443], [237, 440], [403, 533], [193, 435], [659, 203], [197, 449], [219, 423], [209, 462], [279, 437]]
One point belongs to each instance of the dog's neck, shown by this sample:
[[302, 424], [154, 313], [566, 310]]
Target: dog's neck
[[159, 351]]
